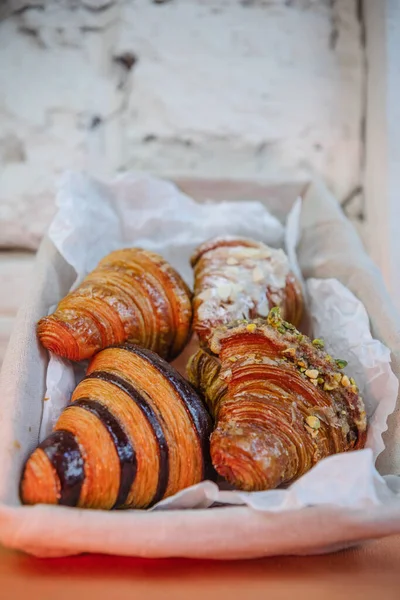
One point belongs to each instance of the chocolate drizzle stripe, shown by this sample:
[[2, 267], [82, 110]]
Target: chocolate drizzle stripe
[[194, 406], [152, 420], [63, 452], [125, 450]]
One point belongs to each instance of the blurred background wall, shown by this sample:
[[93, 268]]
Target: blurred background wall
[[217, 88], [245, 89]]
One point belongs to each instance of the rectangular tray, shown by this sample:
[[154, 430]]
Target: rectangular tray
[[328, 247]]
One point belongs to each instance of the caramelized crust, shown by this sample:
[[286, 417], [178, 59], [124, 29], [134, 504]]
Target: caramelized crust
[[280, 403], [133, 295], [240, 278], [135, 432]]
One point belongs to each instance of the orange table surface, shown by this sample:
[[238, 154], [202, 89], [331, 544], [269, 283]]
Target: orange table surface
[[371, 571]]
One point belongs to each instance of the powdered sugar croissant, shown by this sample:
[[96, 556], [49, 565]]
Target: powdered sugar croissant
[[240, 278], [133, 295]]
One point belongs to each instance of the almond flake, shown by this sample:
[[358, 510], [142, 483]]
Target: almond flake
[[245, 252], [263, 308], [224, 291], [206, 294], [258, 275]]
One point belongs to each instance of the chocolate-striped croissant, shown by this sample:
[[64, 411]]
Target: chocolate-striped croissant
[[133, 295], [239, 278], [134, 433], [280, 402]]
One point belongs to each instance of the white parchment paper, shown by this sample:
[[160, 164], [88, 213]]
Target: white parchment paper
[[95, 218]]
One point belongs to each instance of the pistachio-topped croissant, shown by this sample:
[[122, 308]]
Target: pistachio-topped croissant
[[280, 402], [238, 278], [133, 295]]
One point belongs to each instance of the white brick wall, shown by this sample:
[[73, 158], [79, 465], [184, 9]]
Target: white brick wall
[[256, 89], [251, 89]]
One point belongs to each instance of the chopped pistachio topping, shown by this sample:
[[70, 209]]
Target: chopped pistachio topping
[[274, 316], [318, 343], [329, 381], [341, 363], [328, 387], [311, 431], [312, 373], [313, 422], [345, 381], [289, 351]]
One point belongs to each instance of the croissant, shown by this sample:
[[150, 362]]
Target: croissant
[[240, 278], [134, 433], [280, 402], [133, 295]]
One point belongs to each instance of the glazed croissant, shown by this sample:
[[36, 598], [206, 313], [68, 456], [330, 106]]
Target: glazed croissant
[[239, 278], [133, 295], [280, 402], [134, 433]]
